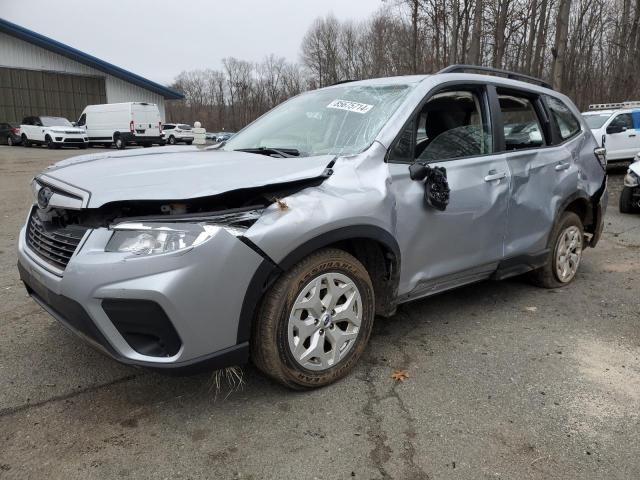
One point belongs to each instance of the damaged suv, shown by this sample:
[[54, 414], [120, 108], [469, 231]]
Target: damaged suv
[[282, 244]]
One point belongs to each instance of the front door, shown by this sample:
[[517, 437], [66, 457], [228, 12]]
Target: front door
[[624, 144], [463, 242]]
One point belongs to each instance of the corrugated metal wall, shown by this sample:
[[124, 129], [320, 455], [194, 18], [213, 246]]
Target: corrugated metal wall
[[18, 54], [32, 92]]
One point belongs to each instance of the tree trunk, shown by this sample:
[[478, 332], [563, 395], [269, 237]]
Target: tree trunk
[[560, 46], [474, 49]]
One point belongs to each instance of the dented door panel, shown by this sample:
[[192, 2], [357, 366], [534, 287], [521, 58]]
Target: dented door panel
[[465, 237]]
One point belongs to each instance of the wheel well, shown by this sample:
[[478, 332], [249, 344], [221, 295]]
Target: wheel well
[[383, 267], [582, 208]]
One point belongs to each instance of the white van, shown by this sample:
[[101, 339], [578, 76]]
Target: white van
[[122, 124]]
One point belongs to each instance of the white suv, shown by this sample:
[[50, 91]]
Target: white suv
[[177, 133], [616, 127], [54, 132]]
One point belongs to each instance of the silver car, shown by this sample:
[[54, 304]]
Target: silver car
[[283, 244]]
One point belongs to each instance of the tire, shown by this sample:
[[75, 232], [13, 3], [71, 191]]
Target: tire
[[274, 338], [49, 142], [25, 141], [10, 141], [626, 200], [172, 140], [120, 143], [567, 229]]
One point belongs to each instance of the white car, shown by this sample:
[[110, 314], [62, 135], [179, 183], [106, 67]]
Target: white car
[[177, 133], [122, 124], [53, 132], [630, 195], [616, 127]]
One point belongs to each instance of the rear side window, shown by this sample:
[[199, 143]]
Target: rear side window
[[567, 123], [522, 127]]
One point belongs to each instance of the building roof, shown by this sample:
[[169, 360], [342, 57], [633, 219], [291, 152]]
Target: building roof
[[65, 50]]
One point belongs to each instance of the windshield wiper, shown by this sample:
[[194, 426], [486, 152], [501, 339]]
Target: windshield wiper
[[283, 152]]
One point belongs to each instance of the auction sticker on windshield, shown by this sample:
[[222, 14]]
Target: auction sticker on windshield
[[350, 106]]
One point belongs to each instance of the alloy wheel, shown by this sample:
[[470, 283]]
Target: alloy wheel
[[324, 321], [568, 253]]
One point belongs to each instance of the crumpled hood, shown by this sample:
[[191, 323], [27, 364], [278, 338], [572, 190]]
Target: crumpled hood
[[177, 173]]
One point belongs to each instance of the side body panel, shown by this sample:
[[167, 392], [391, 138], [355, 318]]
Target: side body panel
[[460, 244]]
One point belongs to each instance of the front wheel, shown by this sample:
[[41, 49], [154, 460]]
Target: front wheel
[[120, 143], [314, 322], [565, 253], [25, 141], [172, 140]]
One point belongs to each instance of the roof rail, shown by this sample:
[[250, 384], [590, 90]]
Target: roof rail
[[496, 71], [614, 106]]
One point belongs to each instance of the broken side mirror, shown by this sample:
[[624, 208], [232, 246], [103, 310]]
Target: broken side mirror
[[436, 186]]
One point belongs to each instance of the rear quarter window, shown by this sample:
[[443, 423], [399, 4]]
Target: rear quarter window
[[566, 122]]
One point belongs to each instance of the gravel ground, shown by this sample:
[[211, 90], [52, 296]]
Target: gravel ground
[[505, 381]]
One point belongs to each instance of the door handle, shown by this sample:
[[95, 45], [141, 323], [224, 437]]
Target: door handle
[[493, 175], [562, 166]]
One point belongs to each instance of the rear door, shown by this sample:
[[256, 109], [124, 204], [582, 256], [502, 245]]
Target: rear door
[[464, 242], [146, 119], [542, 169]]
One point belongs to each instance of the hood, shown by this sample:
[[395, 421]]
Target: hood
[[178, 174]]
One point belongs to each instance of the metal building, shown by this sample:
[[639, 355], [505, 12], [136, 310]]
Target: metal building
[[41, 76]]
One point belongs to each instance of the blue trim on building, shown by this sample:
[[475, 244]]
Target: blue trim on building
[[89, 60]]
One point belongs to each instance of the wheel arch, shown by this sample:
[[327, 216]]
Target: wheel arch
[[373, 246]]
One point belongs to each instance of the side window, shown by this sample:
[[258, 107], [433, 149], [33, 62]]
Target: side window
[[522, 127], [567, 123], [168, 127], [452, 124], [82, 120], [623, 120]]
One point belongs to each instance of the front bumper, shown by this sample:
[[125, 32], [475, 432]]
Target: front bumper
[[200, 292]]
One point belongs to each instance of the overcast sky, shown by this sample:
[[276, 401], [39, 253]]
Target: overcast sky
[[160, 38]]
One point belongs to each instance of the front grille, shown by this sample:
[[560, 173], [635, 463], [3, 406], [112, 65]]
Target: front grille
[[54, 244], [73, 140]]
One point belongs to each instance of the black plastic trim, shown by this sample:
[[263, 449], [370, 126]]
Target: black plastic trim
[[520, 264]]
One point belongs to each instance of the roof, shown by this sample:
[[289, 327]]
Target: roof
[[89, 60]]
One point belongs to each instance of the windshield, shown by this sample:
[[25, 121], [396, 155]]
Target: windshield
[[338, 121], [596, 121], [55, 122]]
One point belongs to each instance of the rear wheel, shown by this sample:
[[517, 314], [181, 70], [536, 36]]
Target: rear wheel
[[314, 322], [25, 141], [10, 141], [626, 200], [172, 140], [120, 143], [565, 253]]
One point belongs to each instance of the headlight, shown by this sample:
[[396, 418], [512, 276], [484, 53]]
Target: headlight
[[57, 131], [155, 237], [631, 179]]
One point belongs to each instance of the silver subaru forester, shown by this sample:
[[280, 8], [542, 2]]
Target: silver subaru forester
[[282, 244]]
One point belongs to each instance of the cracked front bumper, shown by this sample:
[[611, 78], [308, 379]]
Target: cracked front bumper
[[201, 293]]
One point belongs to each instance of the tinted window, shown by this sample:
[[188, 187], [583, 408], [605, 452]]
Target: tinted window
[[622, 120], [168, 127], [522, 127], [567, 123], [449, 125]]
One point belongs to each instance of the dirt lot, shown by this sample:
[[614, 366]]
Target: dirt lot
[[505, 381]]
